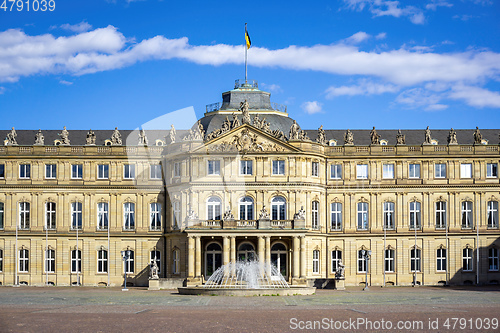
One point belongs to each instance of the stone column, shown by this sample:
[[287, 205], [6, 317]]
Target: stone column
[[302, 257], [260, 249], [296, 256], [225, 250], [233, 248], [268, 254], [198, 256], [191, 257]]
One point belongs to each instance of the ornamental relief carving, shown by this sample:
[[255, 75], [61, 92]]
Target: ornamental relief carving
[[246, 141]]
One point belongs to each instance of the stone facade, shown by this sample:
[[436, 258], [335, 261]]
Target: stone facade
[[196, 204]]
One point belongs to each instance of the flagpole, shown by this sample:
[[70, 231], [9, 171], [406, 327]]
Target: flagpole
[[246, 50]]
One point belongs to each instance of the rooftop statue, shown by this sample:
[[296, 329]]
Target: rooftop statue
[[235, 123], [201, 131], [11, 137], [143, 140], [400, 138], [294, 131], [64, 136], [321, 136], [172, 133], [39, 139], [90, 140], [244, 109], [428, 138], [348, 138], [116, 137], [374, 137], [478, 137], [452, 137]]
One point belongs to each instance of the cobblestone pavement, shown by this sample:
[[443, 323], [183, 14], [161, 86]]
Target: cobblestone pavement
[[422, 309]]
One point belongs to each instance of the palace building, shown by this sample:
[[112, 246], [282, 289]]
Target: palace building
[[393, 207]]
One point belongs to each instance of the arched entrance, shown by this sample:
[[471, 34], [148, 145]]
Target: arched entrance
[[246, 252], [213, 258], [279, 258]]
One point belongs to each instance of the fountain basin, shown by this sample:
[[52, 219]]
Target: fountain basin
[[291, 291]]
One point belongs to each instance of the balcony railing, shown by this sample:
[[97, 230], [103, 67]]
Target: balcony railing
[[248, 83], [246, 224], [281, 224], [278, 107]]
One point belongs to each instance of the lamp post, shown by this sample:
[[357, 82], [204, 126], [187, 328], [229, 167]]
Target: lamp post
[[366, 255], [125, 257]]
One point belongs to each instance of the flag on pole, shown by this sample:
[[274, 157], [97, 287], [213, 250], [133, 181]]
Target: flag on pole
[[247, 38]]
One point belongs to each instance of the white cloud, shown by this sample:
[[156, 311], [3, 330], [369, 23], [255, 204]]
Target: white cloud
[[421, 98], [357, 38], [2, 90], [80, 27], [434, 4], [66, 83], [312, 107], [476, 96], [272, 87], [365, 87], [381, 35], [387, 8]]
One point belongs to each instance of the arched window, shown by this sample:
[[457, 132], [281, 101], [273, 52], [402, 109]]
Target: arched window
[[336, 215], [278, 208], [246, 252], [441, 260], [336, 258], [213, 208], [493, 214], [246, 208], [76, 215], [213, 258], [129, 263], [315, 215], [362, 216], [155, 216], [76, 261], [415, 260], [440, 215], [316, 261], [24, 260], [389, 260], [24, 215], [466, 215], [50, 215], [389, 215], [414, 215], [279, 258], [467, 259], [50, 261], [102, 215], [102, 261], [128, 216]]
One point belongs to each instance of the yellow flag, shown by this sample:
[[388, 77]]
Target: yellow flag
[[247, 38]]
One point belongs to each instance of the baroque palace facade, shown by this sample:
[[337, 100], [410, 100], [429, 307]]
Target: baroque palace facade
[[247, 182]]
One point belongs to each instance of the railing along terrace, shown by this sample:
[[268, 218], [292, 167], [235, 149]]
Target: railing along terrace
[[281, 224], [246, 223], [278, 107], [211, 223], [248, 83], [213, 107]]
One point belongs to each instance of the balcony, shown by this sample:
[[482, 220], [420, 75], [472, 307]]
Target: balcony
[[246, 224]]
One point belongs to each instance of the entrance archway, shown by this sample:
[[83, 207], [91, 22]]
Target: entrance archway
[[279, 258], [246, 252], [213, 258]]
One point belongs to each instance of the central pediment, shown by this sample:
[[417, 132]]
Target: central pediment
[[247, 139]]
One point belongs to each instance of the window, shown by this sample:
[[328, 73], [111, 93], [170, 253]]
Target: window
[[414, 171], [492, 259], [1, 260], [388, 171], [1, 214], [315, 215], [246, 208], [316, 261], [466, 170], [50, 215], [467, 259], [76, 171], [336, 215], [24, 171], [176, 208], [155, 216], [441, 260], [176, 258], [246, 167], [278, 258], [214, 167], [177, 168], [50, 261], [129, 263], [278, 167], [128, 171], [466, 215], [336, 171], [362, 171], [2, 170], [155, 171], [361, 262], [76, 215], [315, 169], [213, 208], [24, 215], [102, 216], [440, 215], [76, 261], [155, 257], [389, 260], [129, 216], [278, 208], [362, 216], [24, 260], [102, 171], [50, 171], [415, 215], [388, 215], [492, 170], [440, 170], [102, 261], [415, 260], [492, 214], [336, 259]]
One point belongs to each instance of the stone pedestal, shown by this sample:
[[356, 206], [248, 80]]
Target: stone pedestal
[[340, 284], [299, 223], [229, 224], [154, 284], [264, 224]]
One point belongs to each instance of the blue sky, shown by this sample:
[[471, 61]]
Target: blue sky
[[342, 63]]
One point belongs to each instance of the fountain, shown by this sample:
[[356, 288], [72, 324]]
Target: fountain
[[246, 278]]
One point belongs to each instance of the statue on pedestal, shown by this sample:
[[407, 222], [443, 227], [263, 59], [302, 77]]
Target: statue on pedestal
[[400, 138], [39, 139], [427, 140], [143, 140], [90, 138], [374, 137], [348, 138], [172, 133], [478, 137], [452, 137], [321, 136], [64, 136], [116, 137], [11, 137], [244, 109]]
